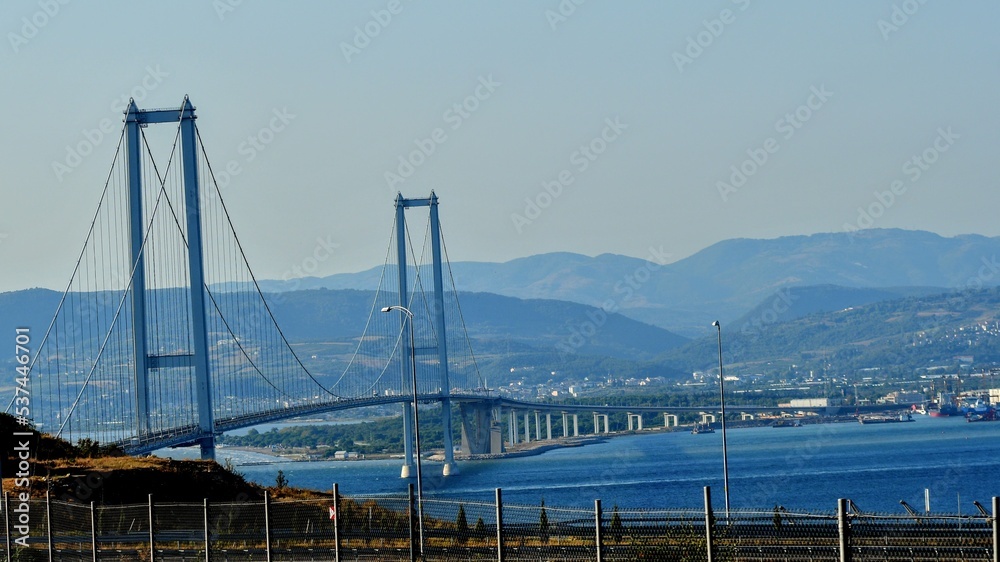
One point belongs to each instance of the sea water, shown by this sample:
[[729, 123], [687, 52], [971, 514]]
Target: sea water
[[800, 468]]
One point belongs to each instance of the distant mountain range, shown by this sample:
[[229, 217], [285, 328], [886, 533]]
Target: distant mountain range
[[727, 280], [902, 297]]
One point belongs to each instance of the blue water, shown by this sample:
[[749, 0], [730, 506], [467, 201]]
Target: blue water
[[804, 468]]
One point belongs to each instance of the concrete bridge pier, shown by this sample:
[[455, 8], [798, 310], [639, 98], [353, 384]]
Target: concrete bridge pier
[[597, 423], [576, 425], [707, 418], [408, 466], [548, 426], [478, 427], [512, 428], [667, 418], [527, 427], [631, 419], [566, 424]]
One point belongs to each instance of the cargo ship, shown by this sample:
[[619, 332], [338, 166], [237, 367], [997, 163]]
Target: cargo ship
[[702, 428], [885, 418], [944, 411]]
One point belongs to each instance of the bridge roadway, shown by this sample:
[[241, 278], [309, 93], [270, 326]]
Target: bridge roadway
[[189, 434]]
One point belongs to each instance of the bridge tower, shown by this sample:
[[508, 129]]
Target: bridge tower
[[437, 311], [144, 361]]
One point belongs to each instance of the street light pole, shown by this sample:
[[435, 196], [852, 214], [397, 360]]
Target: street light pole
[[416, 422], [722, 399]]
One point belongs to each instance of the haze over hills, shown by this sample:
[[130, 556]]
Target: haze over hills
[[726, 280], [774, 297]]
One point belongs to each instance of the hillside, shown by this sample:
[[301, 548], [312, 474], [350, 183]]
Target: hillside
[[89, 472], [904, 335], [724, 281]]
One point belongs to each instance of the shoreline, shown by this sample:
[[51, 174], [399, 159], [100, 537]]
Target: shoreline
[[535, 448]]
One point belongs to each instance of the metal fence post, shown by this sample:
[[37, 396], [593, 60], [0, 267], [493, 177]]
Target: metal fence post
[[48, 522], [267, 524], [6, 525], [996, 529], [409, 503], [597, 530], [208, 546], [501, 554], [336, 523], [93, 532], [152, 536], [709, 523], [844, 530]]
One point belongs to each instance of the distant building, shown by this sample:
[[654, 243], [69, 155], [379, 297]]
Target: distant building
[[995, 396], [811, 403], [905, 398]]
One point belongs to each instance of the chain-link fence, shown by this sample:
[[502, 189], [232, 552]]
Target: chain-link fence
[[390, 528]]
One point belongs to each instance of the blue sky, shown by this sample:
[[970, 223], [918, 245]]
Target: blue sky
[[671, 125]]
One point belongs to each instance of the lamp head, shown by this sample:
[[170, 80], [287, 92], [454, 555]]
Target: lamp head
[[716, 324], [386, 309]]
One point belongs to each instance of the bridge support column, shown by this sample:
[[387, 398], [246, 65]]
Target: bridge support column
[[477, 428], [538, 426], [513, 427], [527, 428], [408, 466], [630, 426], [666, 419], [548, 426], [565, 424], [597, 423], [607, 428], [576, 425]]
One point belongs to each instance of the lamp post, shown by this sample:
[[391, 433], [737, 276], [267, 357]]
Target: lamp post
[[722, 399], [416, 422]]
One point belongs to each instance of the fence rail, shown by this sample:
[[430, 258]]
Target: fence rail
[[384, 528]]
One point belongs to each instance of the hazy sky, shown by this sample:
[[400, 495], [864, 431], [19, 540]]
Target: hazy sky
[[644, 111]]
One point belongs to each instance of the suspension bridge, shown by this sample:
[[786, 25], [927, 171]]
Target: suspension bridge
[[163, 337]]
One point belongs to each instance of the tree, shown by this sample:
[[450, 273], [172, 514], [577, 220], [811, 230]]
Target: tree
[[280, 481], [480, 527], [543, 524], [461, 525], [617, 529]]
